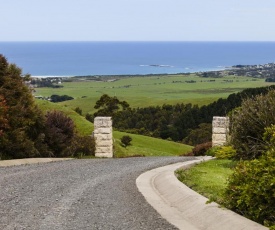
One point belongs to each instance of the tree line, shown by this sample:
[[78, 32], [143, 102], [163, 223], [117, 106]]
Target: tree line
[[174, 122]]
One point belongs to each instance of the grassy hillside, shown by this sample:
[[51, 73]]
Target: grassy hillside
[[83, 126], [153, 90], [141, 145], [148, 146]]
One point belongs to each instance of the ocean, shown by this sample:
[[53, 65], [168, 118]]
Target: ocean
[[130, 58]]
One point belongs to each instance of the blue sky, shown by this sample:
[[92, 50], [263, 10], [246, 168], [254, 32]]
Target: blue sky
[[137, 20]]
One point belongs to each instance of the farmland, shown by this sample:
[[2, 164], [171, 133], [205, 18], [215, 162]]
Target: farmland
[[142, 91]]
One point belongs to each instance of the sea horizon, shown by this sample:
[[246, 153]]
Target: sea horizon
[[82, 58]]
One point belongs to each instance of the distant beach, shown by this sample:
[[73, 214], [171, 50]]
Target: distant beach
[[65, 59]]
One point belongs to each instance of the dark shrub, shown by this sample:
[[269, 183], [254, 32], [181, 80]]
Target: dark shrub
[[89, 117], [200, 135], [59, 132], [81, 146], [78, 110], [201, 149], [126, 140], [58, 98]]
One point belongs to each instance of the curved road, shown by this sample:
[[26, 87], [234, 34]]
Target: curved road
[[79, 194]]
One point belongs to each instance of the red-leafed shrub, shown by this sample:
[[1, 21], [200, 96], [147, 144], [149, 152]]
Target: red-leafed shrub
[[201, 149]]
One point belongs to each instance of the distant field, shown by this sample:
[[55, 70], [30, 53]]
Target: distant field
[[153, 90], [141, 145]]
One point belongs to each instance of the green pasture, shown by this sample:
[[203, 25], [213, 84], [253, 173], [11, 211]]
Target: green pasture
[[141, 145], [148, 146], [152, 90]]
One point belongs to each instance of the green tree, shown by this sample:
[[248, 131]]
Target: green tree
[[24, 121], [108, 106], [89, 117], [78, 110], [200, 135]]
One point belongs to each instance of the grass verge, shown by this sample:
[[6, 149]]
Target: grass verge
[[208, 178]]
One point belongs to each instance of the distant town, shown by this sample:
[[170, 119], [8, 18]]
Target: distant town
[[266, 71]]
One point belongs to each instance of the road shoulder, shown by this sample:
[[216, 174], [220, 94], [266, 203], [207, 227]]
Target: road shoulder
[[183, 207]]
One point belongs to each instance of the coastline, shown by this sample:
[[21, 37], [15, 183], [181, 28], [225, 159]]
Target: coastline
[[220, 68], [258, 71]]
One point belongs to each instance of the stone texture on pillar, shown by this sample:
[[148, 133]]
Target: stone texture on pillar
[[220, 131], [103, 137]]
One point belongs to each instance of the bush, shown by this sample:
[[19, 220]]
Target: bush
[[81, 146], [269, 137], [89, 117], [126, 141], [60, 131], [201, 149], [212, 151], [251, 189], [78, 110], [200, 135], [249, 123], [58, 98], [225, 152]]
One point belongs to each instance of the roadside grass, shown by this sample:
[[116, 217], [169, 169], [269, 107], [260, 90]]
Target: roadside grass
[[141, 145], [152, 90], [208, 178]]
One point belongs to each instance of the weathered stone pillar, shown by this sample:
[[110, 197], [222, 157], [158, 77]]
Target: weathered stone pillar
[[220, 130], [103, 137]]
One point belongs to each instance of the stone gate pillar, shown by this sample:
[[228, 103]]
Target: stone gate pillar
[[220, 130], [103, 135]]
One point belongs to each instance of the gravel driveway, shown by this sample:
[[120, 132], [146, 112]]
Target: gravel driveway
[[79, 194]]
